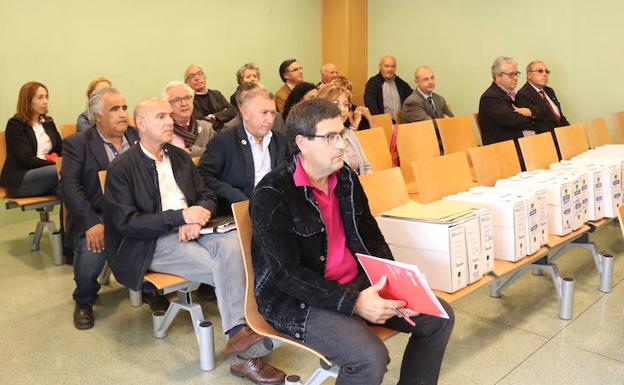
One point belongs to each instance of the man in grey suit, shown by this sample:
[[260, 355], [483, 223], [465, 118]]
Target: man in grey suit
[[423, 103]]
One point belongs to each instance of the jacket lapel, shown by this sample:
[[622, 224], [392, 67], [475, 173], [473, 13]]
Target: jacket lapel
[[96, 145], [245, 148]]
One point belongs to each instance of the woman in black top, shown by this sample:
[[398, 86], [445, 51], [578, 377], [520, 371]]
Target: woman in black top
[[33, 144]]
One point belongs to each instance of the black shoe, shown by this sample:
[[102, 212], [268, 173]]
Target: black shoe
[[83, 317], [156, 302], [206, 292]]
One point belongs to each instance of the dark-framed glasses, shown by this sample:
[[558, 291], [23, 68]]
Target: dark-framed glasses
[[198, 74], [177, 101], [512, 74], [332, 137], [541, 71]]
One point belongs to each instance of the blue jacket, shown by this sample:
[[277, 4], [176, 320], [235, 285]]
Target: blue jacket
[[289, 246]]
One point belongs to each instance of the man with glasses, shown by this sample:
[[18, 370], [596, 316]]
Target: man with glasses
[[310, 217], [423, 103], [292, 74], [500, 117], [189, 133], [386, 92], [210, 105], [239, 156], [541, 99]]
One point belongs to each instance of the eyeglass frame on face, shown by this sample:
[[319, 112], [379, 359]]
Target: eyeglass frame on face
[[194, 75], [346, 105], [178, 100], [331, 137], [541, 71], [511, 75], [300, 68]]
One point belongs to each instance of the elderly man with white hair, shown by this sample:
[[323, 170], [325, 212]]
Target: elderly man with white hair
[[189, 133]]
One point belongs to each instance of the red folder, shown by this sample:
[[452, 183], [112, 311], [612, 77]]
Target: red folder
[[405, 282]]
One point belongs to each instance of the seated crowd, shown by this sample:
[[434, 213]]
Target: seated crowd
[[294, 154]]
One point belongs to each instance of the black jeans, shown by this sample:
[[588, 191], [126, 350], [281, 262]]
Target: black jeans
[[350, 343]]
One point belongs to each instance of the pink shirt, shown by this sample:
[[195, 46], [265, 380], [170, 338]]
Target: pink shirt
[[341, 265]]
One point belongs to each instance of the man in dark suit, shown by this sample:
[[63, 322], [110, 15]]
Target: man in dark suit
[[423, 103], [541, 99], [208, 104], [500, 118], [87, 153], [238, 157], [385, 92]]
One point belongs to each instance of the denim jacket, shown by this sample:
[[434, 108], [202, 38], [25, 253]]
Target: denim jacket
[[289, 246]]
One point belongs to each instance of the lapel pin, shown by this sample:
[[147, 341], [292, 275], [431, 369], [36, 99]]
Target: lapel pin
[[244, 142]]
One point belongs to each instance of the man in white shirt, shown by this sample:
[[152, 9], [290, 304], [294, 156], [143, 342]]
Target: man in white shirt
[[423, 103], [238, 157], [154, 207]]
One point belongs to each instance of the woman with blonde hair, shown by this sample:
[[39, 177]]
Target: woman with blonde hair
[[33, 144], [354, 155]]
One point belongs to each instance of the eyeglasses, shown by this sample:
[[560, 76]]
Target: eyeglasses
[[296, 69], [541, 71], [512, 74], [345, 105], [332, 137], [177, 101], [198, 74]]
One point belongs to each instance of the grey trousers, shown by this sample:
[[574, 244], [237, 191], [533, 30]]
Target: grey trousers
[[213, 259]]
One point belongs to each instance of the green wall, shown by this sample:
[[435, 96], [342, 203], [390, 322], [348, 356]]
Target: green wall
[[580, 41], [143, 44]]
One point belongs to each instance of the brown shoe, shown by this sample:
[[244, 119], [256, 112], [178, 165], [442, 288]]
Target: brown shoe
[[243, 340], [258, 371], [83, 317]]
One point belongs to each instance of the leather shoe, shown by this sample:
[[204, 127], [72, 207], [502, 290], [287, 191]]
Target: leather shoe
[[206, 292], [242, 340], [259, 371], [156, 302], [83, 317]]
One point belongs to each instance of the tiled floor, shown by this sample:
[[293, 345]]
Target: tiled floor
[[515, 340]]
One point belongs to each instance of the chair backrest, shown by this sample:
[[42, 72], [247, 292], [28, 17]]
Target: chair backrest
[[494, 161], [373, 142], [441, 176], [102, 176], [68, 129], [384, 189], [415, 141], [475, 115], [538, 151], [255, 320], [384, 121], [597, 132], [621, 218], [571, 140], [3, 155], [618, 123], [456, 133], [196, 160]]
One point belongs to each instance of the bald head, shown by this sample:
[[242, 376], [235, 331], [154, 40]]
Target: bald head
[[154, 122], [194, 76], [328, 72], [424, 79], [387, 67]]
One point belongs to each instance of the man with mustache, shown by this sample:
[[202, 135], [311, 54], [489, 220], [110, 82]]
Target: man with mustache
[[87, 153], [154, 207]]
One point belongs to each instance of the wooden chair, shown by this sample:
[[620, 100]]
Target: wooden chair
[[384, 121], [538, 151], [68, 129], [415, 141], [494, 161], [441, 176], [196, 160], [373, 142], [571, 140], [456, 133], [475, 115], [42, 204], [384, 189], [597, 132], [618, 123], [256, 321]]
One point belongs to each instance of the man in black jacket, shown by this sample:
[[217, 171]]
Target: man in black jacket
[[208, 104], [386, 92], [238, 157], [541, 100], [154, 207], [310, 217], [86, 154]]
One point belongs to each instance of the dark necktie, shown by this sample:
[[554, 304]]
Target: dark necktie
[[552, 110], [430, 100]]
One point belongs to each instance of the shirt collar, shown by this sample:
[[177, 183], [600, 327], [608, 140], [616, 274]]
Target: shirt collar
[[424, 94], [536, 89], [149, 154], [124, 141], [252, 139], [301, 177]]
